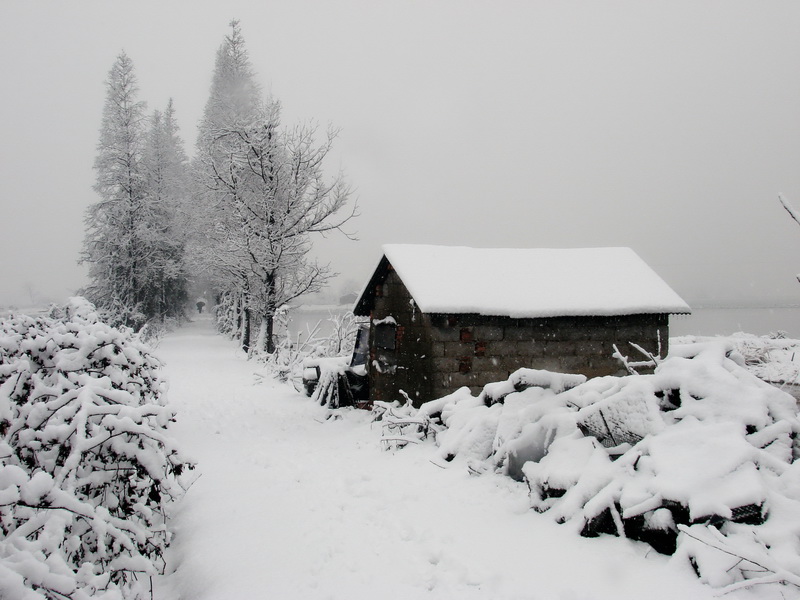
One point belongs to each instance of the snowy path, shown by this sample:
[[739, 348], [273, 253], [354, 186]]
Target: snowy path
[[291, 506]]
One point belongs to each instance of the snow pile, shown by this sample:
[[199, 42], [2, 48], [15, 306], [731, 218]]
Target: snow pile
[[330, 390], [772, 357], [87, 472], [320, 513], [333, 338], [697, 459]]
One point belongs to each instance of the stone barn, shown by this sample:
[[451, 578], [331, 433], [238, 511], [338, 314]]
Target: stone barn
[[446, 317]]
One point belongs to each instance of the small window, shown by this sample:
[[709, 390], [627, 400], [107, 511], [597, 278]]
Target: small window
[[386, 336], [361, 351]]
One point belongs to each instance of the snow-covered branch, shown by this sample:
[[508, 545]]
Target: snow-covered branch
[[87, 470]]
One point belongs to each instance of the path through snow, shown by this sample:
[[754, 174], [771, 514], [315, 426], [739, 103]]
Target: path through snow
[[289, 505]]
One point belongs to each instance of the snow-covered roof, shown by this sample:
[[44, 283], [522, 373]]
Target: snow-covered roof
[[526, 282]]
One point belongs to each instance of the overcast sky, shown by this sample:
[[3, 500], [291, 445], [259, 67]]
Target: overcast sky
[[669, 127]]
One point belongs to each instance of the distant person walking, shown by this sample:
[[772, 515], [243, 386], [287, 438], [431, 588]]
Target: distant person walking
[[200, 304]]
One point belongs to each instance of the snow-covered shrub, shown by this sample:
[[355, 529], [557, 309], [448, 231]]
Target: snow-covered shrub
[[293, 352], [226, 314], [149, 332], [698, 459], [87, 471], [341, 341], [772, 357], [154, 330]]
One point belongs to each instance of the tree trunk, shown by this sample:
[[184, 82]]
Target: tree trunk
[[247, 319], [261, 341], [246, 330], [238, 307], [270, 318], [269, 313]]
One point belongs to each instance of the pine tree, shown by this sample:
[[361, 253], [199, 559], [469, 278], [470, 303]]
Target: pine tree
[[235, 95], [133, 246], [112, 247], [233, 101], [167, 184]]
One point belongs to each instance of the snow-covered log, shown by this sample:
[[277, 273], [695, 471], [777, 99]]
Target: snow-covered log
[[698, 459]]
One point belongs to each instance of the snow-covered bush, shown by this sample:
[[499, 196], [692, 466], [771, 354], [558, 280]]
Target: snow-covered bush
[[772, 357], [292, 352], [699, 459], [149, 332], [87, 471], [226, 314]]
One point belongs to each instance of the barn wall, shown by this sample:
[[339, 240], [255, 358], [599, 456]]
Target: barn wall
[[408, 366], [435, 355], [472, 350]]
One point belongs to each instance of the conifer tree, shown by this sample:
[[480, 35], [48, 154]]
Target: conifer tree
[[233, 101], [112, 247], [132, 244], [235, 95], [167, 185]]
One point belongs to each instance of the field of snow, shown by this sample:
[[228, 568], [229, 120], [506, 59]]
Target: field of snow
[[291, 505]]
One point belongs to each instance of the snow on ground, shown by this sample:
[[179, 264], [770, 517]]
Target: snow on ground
[[289, 505], [771, 357]]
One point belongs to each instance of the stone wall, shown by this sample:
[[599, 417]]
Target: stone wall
[[472, 350], [434, 355]]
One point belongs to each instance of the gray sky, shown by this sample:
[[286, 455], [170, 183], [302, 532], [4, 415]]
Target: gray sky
[[669, 127]]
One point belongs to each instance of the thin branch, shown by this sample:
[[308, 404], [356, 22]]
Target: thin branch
[[789, 208]]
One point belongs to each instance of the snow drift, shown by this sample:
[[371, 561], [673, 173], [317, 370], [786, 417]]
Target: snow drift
[[698, 459]]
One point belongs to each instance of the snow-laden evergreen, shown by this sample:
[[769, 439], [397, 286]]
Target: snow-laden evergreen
[[132, 244], [87, 469], [167, 183], [259, 190]]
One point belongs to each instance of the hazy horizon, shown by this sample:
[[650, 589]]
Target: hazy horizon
[[668, 127]]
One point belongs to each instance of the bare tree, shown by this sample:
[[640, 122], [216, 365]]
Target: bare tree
[[262, 194], [275, 196]]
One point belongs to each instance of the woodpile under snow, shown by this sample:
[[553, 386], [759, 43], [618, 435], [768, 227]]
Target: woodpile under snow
[[698, 459]]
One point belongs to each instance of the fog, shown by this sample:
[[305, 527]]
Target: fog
[[669, 127]]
